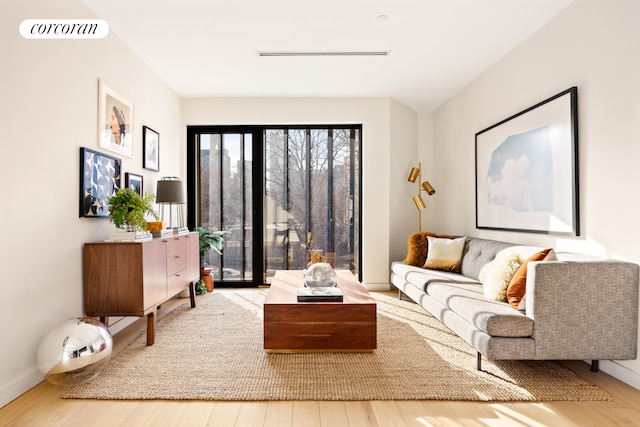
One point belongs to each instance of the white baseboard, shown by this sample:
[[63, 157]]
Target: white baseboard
[[377, 286], [620, 372]]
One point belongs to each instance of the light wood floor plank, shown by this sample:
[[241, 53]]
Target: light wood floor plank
[[438, 413], [142, 414], [306, 413], [20, 410], [279, 414], [117, 414], [252, 414], [470, 414], [170, 413], [333, 414], [582, 415], [413, 412], [360, 413], [225, 414], [387, 413], [56, 414], [86, 415], [527, 414], [197, 414]]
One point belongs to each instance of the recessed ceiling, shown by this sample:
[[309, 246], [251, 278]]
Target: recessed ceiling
[[205, 48]]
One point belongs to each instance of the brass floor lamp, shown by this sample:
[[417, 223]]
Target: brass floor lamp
[[415, 176]]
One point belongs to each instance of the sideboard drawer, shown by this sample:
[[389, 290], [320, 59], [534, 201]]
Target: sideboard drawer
[[176, 282], [176, 262], [175, 245]]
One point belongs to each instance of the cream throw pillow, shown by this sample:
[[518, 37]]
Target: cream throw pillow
[[444, 254], [496, 275]]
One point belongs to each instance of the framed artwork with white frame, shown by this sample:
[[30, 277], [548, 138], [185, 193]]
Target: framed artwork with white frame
[[115, 121]]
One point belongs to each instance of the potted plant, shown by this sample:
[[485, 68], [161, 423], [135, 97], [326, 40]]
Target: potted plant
[[209, 240], [128, 209]]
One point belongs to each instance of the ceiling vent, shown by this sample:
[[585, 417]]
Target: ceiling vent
[[323, 53]]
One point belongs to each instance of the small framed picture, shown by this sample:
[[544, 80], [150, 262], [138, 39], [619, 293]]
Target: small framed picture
[[151, 149], [134, 181], [99, 180], [115, 121]]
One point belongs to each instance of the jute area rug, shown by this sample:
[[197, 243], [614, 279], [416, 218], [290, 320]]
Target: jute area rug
[[215, 352]]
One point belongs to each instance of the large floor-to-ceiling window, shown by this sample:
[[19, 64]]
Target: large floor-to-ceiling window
[[294, 189]]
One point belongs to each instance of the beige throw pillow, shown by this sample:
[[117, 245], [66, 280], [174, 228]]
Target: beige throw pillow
[[444, 254], [496, 275]]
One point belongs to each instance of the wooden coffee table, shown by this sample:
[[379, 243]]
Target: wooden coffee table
[[292, 326]]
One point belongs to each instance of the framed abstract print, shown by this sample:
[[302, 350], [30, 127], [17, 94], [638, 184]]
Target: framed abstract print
[[527, 169], [100, 178]]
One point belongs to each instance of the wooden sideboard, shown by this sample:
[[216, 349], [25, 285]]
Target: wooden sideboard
[[135, 278]]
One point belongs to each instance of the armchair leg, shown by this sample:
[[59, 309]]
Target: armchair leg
[[479, 361], [594, 366]]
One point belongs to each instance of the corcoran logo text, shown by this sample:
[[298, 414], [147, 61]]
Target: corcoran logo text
[[64, 28]]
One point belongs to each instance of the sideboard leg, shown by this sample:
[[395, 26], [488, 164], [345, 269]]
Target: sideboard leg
[[192, 295], [151, 328]]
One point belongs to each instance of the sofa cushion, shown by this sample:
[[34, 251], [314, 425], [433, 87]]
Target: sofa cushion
[[444, 254], [496, 319], [518, 284], [421, 278], [478, 252]]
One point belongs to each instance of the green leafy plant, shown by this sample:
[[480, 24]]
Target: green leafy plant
[[128, 209], [210, 240], [200, 287]]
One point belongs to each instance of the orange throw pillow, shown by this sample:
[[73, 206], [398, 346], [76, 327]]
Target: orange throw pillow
[[518, 284]]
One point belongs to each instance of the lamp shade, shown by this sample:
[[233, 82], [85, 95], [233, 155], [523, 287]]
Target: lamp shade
[[170, 190], [428, 188], [419, 202], [413, 174]]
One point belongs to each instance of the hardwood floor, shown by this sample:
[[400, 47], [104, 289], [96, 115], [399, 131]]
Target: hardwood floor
[[43, 406]]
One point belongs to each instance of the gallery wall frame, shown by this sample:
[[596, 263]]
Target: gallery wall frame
[[527, 169], [151, 149], [115, 120], [134, 181], [100, 178]]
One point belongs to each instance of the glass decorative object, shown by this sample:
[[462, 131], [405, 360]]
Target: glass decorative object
[[75, 351], [320, 275]]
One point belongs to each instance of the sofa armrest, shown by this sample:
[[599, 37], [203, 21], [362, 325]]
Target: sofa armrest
[[584, 310]]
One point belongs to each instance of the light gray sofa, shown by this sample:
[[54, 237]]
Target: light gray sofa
[[577, 308]]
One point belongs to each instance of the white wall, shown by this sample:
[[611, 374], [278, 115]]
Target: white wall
[[387, 127], [49, 110], [404, 155], [593, 44]]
